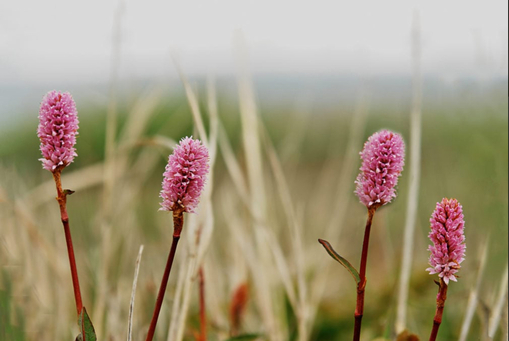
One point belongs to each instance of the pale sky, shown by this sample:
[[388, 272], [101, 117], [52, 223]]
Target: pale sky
[[53, 41]]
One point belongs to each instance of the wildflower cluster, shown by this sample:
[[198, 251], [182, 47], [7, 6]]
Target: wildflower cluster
[[382, 162], [447, 235], [58, 127], [184, 177]]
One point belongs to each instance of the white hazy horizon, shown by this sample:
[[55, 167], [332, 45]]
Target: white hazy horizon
[[68, 45], [46, 42]]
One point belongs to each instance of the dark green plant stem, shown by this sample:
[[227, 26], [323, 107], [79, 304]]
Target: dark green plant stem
[[178, 222], [359, 308], [441, 297], [62, 200]]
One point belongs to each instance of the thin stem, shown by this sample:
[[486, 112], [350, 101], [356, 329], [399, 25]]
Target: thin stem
[[62, 200], [441, 297], [203, 317], [359, 308], [178, 222]]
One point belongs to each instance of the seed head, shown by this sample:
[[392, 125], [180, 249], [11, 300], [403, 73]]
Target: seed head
[[383, 158], [185, 176], [447, 235], [58, 127]]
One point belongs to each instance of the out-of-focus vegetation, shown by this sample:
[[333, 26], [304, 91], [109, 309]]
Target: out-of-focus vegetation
[[464, 155]]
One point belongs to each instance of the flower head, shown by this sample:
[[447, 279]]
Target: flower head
[[58, 127], [447, 235], [185, 176], [383, 157]]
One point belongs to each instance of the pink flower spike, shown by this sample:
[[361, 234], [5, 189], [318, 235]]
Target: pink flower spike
[[185, 176], [383, 158], [58, 127], [447, 235]]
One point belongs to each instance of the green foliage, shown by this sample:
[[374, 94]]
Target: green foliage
[[353, 271], [86, 326], [11, 318]]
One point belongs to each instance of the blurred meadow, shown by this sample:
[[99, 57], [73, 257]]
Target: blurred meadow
[[284, 156], [282, 178]]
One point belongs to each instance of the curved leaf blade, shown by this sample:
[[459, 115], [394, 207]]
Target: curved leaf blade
[[341, 260]]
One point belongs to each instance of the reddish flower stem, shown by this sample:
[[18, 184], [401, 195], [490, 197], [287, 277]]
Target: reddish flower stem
[[359, 308], [62, 200], [178, 222], [203, 317], [441, 297]]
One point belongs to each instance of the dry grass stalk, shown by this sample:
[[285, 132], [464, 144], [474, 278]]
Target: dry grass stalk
[[299, 303], [200, 224], [111, 216], [415, 177], [500, 303], [474, 293], [343, 197], [133, 294], [252, 150]]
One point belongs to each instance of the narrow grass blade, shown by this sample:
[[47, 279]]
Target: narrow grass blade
[[139, 117], [415, 167], [295, 232], [499, 306], [133, 294], [474, 294], [341, 260], [193, 104], [213, 117], [233, 166]]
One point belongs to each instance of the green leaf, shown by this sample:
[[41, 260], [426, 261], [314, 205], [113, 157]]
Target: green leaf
[[87, 329], [341, 260], [244, 337]]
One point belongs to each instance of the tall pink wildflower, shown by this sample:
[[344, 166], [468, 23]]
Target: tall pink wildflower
[[447, 235], [383, 158], [185, 176], [58, 127]]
